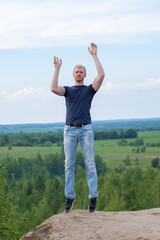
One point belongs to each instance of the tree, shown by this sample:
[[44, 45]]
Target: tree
[[143, 148], [155, 162], [54, 194], [39, 183], [129, 182], [130, 133], [136, 162], [109, 192], [139, 141], [128, 161], [7, 230], [122, 142], [147, 194], [3, 202], [100, 165]]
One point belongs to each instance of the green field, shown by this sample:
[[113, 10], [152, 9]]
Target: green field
[[109, 150], [150, 136], [28, 152], [114, 155]]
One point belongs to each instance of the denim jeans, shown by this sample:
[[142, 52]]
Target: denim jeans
[[84, 135]]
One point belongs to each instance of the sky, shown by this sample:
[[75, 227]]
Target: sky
[[126, 32]]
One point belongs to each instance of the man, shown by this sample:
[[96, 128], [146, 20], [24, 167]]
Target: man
[[78, 126]]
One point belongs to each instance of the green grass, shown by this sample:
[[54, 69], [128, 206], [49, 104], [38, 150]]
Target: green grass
[[153, 136], [114, 155], [109, 150], [27, 152]]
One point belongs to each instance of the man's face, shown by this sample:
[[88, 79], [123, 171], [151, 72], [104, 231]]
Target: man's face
[[79, 74]]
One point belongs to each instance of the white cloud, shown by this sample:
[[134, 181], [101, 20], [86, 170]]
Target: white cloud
[[150, 84], [48, 23], [29, 93], [32, 94]]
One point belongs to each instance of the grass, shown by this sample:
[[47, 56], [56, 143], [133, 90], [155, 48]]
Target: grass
[[153, 136], [109, 150], [27, 152]]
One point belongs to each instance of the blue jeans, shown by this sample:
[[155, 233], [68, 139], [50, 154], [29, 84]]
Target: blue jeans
[[84, 135]]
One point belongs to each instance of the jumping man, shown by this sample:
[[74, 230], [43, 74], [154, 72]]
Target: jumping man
[[78, 126]]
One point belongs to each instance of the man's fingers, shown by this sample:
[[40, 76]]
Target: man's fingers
[[57, 62], [56, 59], [94, 45]]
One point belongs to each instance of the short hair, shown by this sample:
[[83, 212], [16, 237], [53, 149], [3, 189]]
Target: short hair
[[79, 66]]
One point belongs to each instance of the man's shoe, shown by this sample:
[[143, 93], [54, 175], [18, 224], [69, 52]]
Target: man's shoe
[[69, 204], [93, 204]]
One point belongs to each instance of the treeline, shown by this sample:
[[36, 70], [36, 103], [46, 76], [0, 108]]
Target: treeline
[[47, 139], [30, 139], [113, 134], [35, 192]]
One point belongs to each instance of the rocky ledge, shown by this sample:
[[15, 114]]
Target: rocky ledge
[[82, 225]]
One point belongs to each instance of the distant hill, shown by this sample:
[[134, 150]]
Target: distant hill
[[138, 124], [31, 128]]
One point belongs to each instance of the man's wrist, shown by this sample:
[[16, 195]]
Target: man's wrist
[[57, 69], [94, 56]]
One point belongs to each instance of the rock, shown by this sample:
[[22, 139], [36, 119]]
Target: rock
[[82, 225]]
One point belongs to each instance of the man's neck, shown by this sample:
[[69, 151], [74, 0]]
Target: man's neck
[[80, 83]]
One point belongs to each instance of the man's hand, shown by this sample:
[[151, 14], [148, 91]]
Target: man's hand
[[93, 49], [57, 63]]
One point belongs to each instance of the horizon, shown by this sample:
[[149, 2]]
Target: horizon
[[103, 120]]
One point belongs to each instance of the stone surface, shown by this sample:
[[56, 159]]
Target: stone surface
[[82, 225]]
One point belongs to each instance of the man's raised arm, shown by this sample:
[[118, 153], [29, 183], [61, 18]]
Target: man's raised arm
[[54, 85], [99, 78]]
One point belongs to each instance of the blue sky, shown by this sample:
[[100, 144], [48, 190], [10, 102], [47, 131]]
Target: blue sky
[[127, 33]]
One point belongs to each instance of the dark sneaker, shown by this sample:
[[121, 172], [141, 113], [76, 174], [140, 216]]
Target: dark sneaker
[[93, 204], [69, 204]]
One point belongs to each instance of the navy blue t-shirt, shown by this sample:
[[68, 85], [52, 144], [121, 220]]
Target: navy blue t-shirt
[[78, 103]]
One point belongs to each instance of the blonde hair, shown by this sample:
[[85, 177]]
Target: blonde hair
[[79, 66]]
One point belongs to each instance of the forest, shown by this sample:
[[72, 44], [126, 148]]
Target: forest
[[32, 188], [48, 138]]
